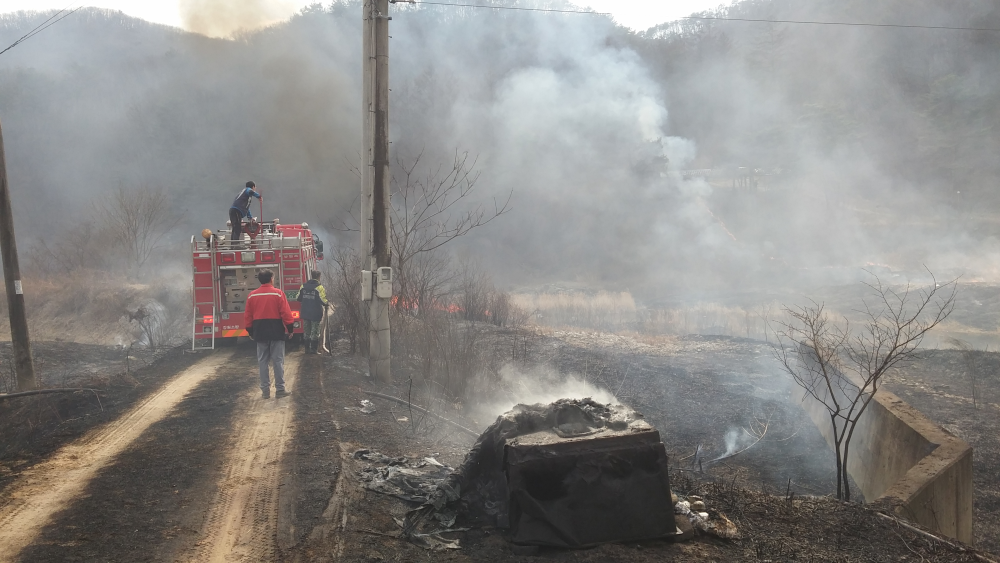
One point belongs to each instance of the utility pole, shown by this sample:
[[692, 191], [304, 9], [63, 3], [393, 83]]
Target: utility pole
[[375, 243], [24, 367]]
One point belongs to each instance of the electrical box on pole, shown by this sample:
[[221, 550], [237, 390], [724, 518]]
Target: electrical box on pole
[[366, 285], [383, 285]]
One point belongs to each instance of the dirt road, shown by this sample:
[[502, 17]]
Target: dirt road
[[49, 487], [191, 473], [243, 518]]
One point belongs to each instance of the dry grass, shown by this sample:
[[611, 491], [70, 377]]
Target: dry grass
[[92, 307], [603, 310], [618, 312]]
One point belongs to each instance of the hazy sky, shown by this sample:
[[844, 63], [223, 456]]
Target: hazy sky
[[637, 14]]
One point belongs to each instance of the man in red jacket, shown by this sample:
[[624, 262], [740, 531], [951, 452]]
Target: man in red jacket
[[268, 320]]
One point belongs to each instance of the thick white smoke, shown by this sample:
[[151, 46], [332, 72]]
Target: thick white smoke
[[539, 384]]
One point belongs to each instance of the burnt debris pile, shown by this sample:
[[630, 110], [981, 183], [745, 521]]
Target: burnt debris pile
[[572, 473]]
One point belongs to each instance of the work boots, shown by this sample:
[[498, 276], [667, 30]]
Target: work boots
[[316, 349]]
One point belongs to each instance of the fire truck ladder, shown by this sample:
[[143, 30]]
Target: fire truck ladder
[[215, 316]]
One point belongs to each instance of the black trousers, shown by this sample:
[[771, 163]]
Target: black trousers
[[236, 222]]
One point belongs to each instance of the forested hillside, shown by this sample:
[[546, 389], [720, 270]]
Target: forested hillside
[[920, 106], [873, 144]]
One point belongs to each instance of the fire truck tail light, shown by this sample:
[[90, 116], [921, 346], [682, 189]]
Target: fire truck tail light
[[267, 256], [207, 319], [295, 314], [228, 257]]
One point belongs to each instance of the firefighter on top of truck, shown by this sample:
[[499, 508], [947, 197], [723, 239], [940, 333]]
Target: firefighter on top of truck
[[240, 210]]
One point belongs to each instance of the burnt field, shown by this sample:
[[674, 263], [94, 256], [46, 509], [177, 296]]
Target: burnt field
[[34, 427], [696, 390], [709, 396]]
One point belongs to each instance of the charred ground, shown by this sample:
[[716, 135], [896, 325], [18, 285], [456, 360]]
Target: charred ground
[[148, 504]]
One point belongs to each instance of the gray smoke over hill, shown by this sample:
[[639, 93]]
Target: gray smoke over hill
[[861, 139]]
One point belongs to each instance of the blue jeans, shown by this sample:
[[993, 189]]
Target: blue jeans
[[273, 351]]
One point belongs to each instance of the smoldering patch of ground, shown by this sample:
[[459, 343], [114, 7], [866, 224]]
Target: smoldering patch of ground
[[775, 527], [709, 396]]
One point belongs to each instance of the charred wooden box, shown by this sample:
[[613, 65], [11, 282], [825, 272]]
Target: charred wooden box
[[576, 486]]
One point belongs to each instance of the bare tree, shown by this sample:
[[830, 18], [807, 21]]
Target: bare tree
[[430, 208], [841, 368], [137, 219]]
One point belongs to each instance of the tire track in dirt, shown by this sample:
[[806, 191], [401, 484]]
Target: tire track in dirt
[[243, 520], [336, 514], [50, 486]]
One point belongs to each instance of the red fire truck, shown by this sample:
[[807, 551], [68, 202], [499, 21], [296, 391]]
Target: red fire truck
[[225, 272]]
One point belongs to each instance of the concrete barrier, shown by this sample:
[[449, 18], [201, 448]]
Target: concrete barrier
[[899, 456]]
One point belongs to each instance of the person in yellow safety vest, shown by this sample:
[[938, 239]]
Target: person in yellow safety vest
[[314, 303]]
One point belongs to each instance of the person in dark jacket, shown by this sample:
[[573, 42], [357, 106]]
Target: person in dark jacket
[[240, 210], [314, 303], [268, 320]]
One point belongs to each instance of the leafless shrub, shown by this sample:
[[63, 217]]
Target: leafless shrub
[[473, 291], [159, 326], [975, 364], [461, 358], [430, 397], [500, 307], [81, 247], [841, 368], [441, 348], [137, 219], [425, 284], [343, 285]]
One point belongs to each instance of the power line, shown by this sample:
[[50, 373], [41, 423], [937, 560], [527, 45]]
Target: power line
[[42, 26], [503, 7], [847, 24], [801, 22]]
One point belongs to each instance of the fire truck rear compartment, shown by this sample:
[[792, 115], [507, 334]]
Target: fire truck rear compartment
[[236, 285]]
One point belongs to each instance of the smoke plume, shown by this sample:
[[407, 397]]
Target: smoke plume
[[694, 160], [223, 18]]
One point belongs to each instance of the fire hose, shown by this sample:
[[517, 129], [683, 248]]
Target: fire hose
[[456, 425]]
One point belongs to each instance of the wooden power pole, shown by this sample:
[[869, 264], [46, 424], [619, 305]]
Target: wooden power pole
[[375, 243], [24, 366]]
